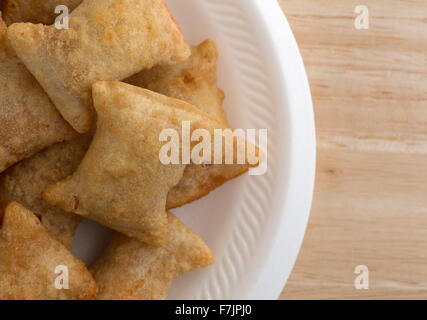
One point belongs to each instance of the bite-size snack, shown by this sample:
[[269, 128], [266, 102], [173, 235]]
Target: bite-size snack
[[121, 183], [106, 40], [131, 270], [29, 121], [31, 262], [193, 81], [34, 11], [26, 181]]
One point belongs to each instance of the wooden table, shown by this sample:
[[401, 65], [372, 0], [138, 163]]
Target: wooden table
[[370, 98]]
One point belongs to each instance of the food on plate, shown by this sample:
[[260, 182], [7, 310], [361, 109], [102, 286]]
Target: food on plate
[[198, 181], [106, 40], [121, 183], [30, 260], [193, 81], [131, 270], [34, 11], [29, 121], [25, 182], [76, 143]]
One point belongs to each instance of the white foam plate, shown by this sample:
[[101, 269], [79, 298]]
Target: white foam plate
[[255, 224]]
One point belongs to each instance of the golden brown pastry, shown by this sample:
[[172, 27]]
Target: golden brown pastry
[[34, 11], [107, 40], [198, 181], [130, 270], [121, 182], [3, 29], [29, 258], [25, 182], [29, 121], [193, 81]]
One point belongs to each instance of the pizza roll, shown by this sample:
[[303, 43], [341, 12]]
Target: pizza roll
[[106, 40], [29, 261], [29, 121], [193, 81], [131, 270], [34, 11], [121, 182], [25, 182], [199, 180]]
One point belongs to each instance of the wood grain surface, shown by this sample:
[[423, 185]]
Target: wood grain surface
[[370, 206]]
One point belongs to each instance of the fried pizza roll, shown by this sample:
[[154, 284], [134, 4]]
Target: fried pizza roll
[[29, 121], [193, 81], [34, 11], [122, 183], [25, 182], [106, 40], [30, 259], [199, 180], [131, 270]]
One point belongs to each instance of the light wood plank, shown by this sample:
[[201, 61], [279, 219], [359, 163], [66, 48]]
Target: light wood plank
[[370, 92]]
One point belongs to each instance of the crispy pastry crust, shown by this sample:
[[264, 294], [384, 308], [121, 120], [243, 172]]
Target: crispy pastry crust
[[25, 182], [29, 257], [121, 182], [29, 122], [193, 81], [130, 270], [34, 11], [107, 40]]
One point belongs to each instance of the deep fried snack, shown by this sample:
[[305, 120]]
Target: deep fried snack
[[3, 29], [107, 40], [25, 182], [29, 257], [193, 81], [198, 181], [34, 11], [130, 270], [29, 121], [121, 182]]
